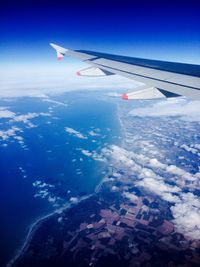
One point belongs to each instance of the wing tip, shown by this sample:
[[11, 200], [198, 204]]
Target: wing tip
[[53, 45], [61, 51]]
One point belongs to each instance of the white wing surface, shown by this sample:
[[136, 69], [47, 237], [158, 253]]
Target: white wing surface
[[162, 78]]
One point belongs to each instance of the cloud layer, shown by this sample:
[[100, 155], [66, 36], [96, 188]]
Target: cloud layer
[[143, 172], [40, 81], [184, 108]]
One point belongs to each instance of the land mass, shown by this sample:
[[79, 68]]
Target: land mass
[[123, 224], [110, 229]]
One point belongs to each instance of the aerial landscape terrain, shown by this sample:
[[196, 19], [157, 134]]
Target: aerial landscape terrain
[[135, 198], [100, 133]]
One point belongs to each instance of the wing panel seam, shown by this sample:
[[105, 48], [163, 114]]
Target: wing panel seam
[[173, 83]]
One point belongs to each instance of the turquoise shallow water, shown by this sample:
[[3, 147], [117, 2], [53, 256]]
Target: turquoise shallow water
[[43, 166]]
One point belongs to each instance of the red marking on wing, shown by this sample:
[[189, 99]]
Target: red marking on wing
[[125, 97]]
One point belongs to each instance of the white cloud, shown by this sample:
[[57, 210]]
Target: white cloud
[[143, 171], [54, 102], [43, 190], [15, 118], [73, 200], [6, 134], [6, 114], [75, 133], [132, 197], [86, 152], [194, 149], [186, 109], [197, 146], [157, 185], [19, 138], [41, 184], [93, 154], [187, 219], [41, 81], [25, 117], [114, 188], [93, 133], [52, 199]]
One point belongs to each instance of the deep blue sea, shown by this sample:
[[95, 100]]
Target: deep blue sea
[[49, 155]]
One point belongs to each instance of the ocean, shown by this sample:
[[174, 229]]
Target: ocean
[[50, 154]]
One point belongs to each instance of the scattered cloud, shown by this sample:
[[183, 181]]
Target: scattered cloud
[[115, 188], [44, 191], [75, 133], [5, 114], [73, 200], [187, 219], [86, 152], [6, 134], [14, 118], [194, 149], [25, 118], [185, 207], [93, 133], [132, 197], [93, 154]]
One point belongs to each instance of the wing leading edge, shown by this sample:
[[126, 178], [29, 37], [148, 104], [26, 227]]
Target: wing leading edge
[[163, 79]]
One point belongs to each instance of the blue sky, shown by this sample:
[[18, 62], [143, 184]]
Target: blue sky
[[165, 30]]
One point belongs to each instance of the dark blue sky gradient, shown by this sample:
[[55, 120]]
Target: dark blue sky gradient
[[160, 30]]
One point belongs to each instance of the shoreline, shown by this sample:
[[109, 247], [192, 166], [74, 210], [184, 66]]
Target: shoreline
[[35, 225]]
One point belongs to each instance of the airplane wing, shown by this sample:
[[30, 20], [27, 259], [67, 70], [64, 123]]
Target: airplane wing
[[161, 78]]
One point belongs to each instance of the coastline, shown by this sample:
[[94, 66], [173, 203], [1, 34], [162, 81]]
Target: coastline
[[38, 222], [35, 225], [98, 189]]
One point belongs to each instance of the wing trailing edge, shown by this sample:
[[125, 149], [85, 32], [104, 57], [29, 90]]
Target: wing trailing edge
[[148, 93], [93, 72]]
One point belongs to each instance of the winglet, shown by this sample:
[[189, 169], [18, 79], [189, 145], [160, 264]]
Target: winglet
[[61, 51]]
